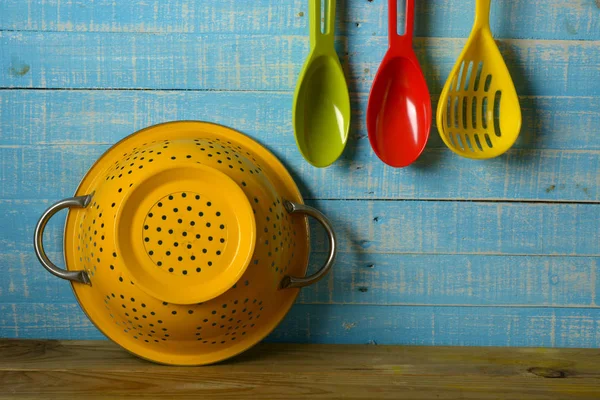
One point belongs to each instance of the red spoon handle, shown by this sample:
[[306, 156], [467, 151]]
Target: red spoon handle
[[393, 22]]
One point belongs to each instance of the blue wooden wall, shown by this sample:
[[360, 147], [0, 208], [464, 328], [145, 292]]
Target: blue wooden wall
[[446, 252]]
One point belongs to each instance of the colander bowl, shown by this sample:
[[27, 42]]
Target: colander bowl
[[186, 243]]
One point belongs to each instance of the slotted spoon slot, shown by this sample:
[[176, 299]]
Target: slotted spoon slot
[[478, 142], [497, 99], [459, 141], [488, 140], [478, 76], [448, 111], [459, 106], [474, 112], [455, 112], [488, 83], [460, 76], [469, 76], [484, 104], [465, 113], [468, 142], [451, 138]]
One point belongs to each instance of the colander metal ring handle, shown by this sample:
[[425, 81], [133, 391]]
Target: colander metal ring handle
[[294, 282], [38, 239]]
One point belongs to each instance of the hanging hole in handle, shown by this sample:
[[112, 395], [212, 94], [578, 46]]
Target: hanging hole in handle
[[401, 20], [324, 14]]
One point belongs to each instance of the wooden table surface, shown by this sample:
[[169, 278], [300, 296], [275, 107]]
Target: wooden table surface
[[99, 369]]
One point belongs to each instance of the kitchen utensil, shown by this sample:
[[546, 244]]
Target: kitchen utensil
[[184, 243], [321, 114], [399, 108], [478, 115]]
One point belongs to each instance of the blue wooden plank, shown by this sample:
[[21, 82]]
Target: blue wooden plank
[[260, 62], [53, 172], [464, 227], [400, 227], [361, 278], [451, 326], [104, 117], [406, 279], [521, 19]]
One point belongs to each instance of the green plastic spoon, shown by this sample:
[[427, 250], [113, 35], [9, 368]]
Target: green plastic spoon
[[321, 115]]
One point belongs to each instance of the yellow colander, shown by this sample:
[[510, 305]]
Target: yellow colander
[[185, 242]]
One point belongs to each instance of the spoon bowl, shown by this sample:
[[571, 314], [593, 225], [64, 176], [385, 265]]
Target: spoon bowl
[[321, 115], [399, 109]]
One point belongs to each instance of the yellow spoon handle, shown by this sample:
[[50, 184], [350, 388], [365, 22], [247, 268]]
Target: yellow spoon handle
[[482, 13], [318, 38]]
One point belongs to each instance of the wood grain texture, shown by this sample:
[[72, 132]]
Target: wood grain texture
[[264, 62], [449, 251], [70, 370], [520, 19]]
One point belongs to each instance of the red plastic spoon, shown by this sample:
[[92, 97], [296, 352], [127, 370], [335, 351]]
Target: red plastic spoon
[[399, 110]]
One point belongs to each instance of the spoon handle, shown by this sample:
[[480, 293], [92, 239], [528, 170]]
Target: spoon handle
[[482, 13], [409, 21], [316, 36]]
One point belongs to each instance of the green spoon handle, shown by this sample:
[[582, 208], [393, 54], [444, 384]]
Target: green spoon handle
[[318, 38], [482, 12]]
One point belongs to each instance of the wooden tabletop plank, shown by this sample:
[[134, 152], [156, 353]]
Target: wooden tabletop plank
[[98, 369]]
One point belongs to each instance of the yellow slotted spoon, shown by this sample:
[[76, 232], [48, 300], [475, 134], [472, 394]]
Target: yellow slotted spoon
[[479, 115]]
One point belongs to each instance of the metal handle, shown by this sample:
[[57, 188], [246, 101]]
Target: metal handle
[[38, 239], [294, 282]]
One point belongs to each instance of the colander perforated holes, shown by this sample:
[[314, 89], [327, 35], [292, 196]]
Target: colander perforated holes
[[181, 244]]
